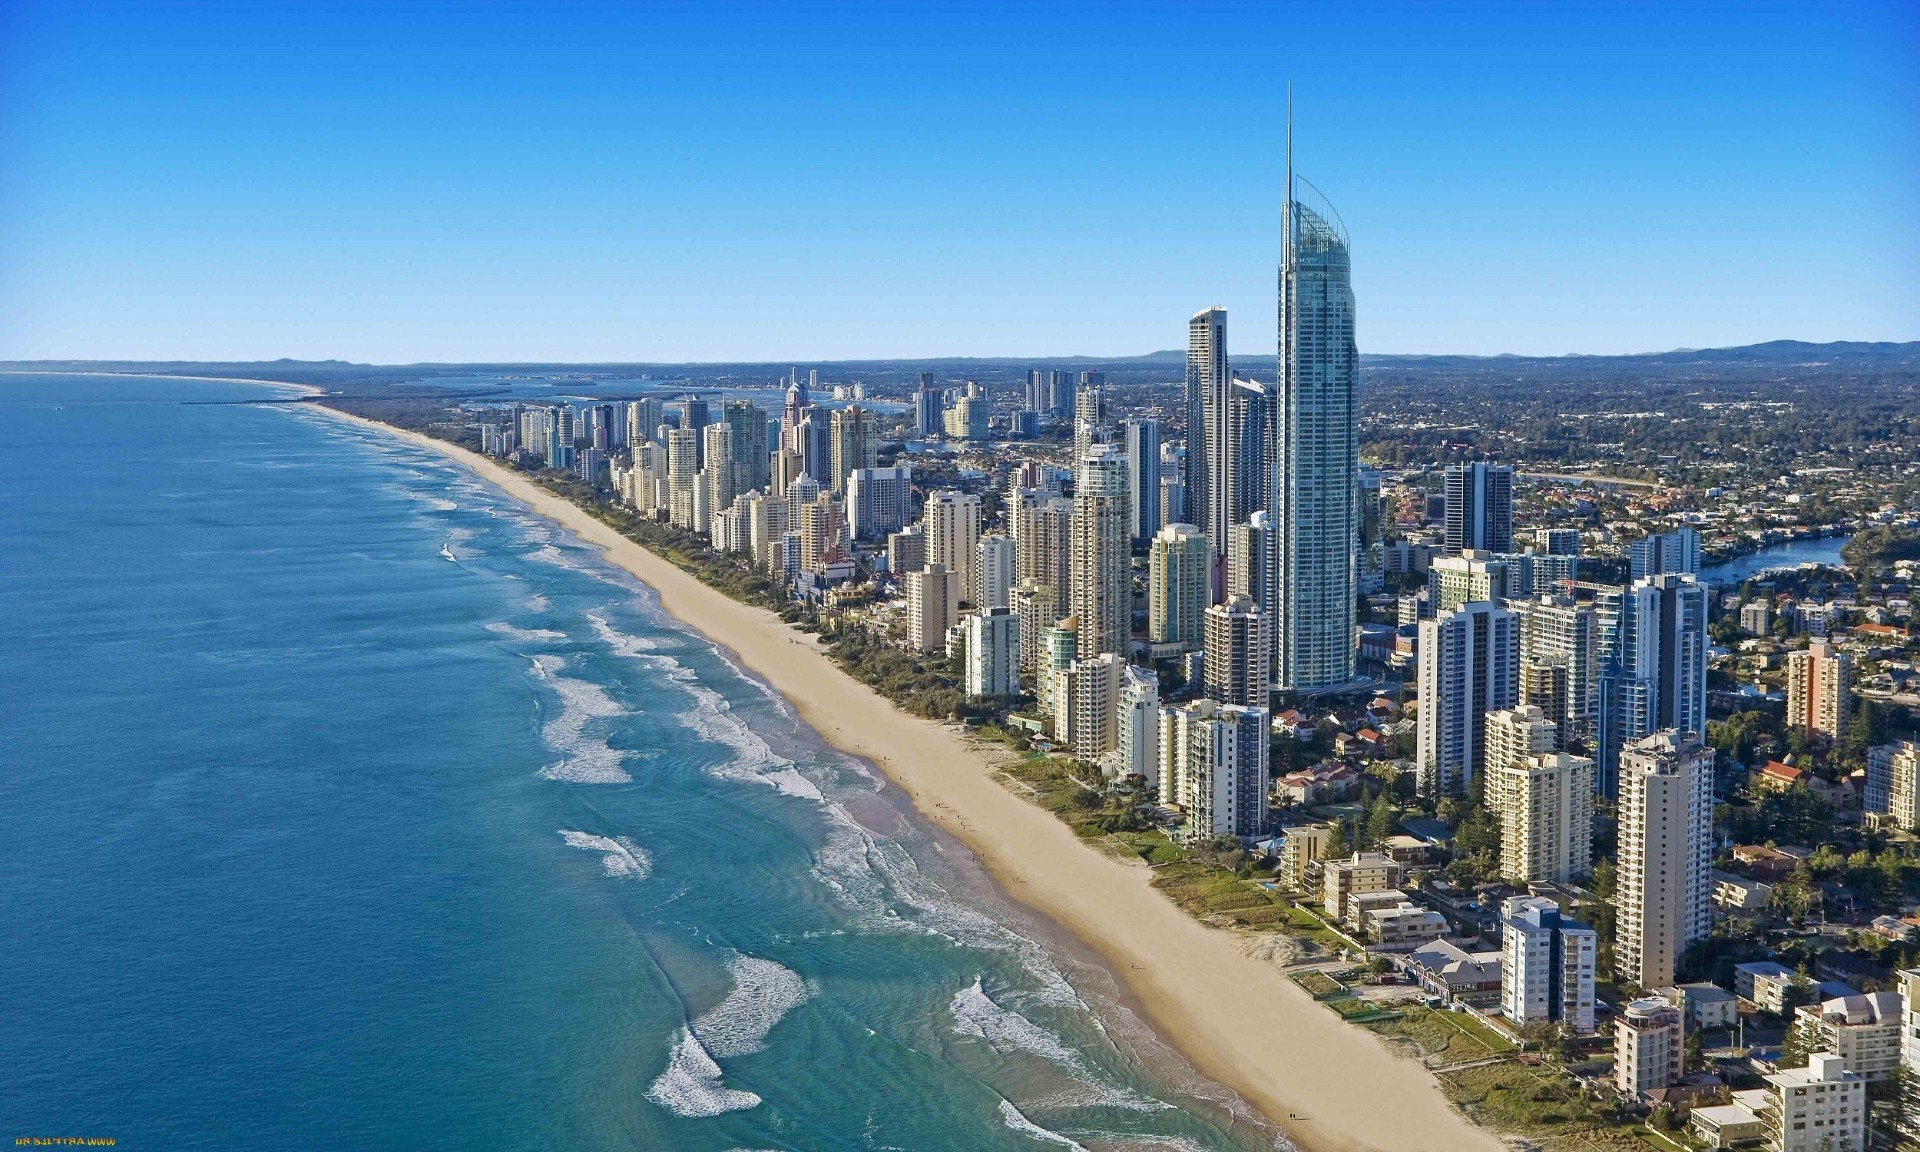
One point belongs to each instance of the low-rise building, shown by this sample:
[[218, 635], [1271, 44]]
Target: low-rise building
[[1739, 894], [1300, 846], [1457, 975], [1729, 1125], [1363, 872], [1764, 983], [1398, 924], [1705, 1005]]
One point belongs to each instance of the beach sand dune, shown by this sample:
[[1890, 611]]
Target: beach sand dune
[[1235, 1016]]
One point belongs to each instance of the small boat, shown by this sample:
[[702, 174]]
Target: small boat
[[446, 550]]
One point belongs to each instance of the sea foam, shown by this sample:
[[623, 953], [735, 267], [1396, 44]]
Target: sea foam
[[622, 856], [978, 1015], [763, 993], [584, 759]]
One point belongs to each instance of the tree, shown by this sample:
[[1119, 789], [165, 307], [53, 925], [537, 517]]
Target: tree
[[1338, 844], [1381, 821]]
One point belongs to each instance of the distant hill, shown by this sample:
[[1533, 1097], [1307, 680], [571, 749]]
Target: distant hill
[[1787, 356]]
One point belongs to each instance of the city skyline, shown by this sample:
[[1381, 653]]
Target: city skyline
[[186, 188]]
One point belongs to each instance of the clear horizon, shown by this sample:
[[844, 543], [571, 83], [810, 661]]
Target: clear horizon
[[593, 183]]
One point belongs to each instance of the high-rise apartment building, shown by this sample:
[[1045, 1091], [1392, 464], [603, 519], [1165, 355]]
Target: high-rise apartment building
[[1546, 966], [933, 603], [1661, 553], [1819, 1108], [854, 443], [1179, 576], [643, 420], [1655, 676], [1314, 507], [1893, 785], [1059, 648], [993, 653], [694, 417], [952, 522], [1136, 723], [1665, 846], [993, 573], [1479, 507], [1100, 583], [1091, 423], [1543, 802], [1208, 378], [1456, 580], [1213, 763], [1237, 655], [1469, 667], [1086, 698], [1560, 632], [1142, 443], [878, 501], [1037, 607], [1819, 688], [926, 407]]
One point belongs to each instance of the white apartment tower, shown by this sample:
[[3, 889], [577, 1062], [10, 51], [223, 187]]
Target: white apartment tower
[[1666, 844], [1213, 763], [1469, 667], [1546, 965], [993, 652]]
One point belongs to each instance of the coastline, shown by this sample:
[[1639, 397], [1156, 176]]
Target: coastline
[[1236, 1019]]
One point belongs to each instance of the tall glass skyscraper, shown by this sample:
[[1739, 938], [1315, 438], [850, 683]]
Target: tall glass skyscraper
[[1208, 382], [1315, 501]]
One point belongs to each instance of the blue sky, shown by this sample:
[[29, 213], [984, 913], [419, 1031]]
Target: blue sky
[[399, 182]]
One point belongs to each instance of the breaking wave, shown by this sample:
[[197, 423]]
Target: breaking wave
[[584, 759], [622, 856]]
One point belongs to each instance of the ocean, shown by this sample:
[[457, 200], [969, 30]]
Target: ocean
[[349, 804]]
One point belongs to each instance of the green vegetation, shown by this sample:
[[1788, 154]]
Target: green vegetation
[[1881, 544], [1319, 985], [1534, 1103], [1443, 1037]]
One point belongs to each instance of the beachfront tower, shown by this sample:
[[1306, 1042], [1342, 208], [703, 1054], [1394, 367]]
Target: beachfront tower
[[1315, 501]]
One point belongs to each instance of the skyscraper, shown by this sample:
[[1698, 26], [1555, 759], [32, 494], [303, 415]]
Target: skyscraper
[[1237, 658], [1060, 393], [747, 436], [1239, 473], [1100, 584], [1479, 507], [1036, 390], [933, 598], [1314, 507], [855, 443], [1213, 763], [1655, 677], [1666, 844], [877, 501], [993, 573], [694, 417], [1179, 567], [1142, 442], [643, 421], [993, 653], [1469, 666], [952, 521], [1090, 425], [1208, 378], [1663, 552], [926, 407]]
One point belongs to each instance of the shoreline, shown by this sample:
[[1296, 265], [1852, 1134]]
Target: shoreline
[[1282, 1053]]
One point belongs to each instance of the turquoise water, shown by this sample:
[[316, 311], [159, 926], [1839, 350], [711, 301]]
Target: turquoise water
[[349, 805]]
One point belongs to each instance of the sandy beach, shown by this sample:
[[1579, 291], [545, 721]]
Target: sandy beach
[[1331, 1086]]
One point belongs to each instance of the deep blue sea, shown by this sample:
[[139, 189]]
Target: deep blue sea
[[348, 805]]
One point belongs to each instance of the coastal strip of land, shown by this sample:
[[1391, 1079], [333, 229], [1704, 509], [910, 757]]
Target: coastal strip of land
[[1235, 1017]]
